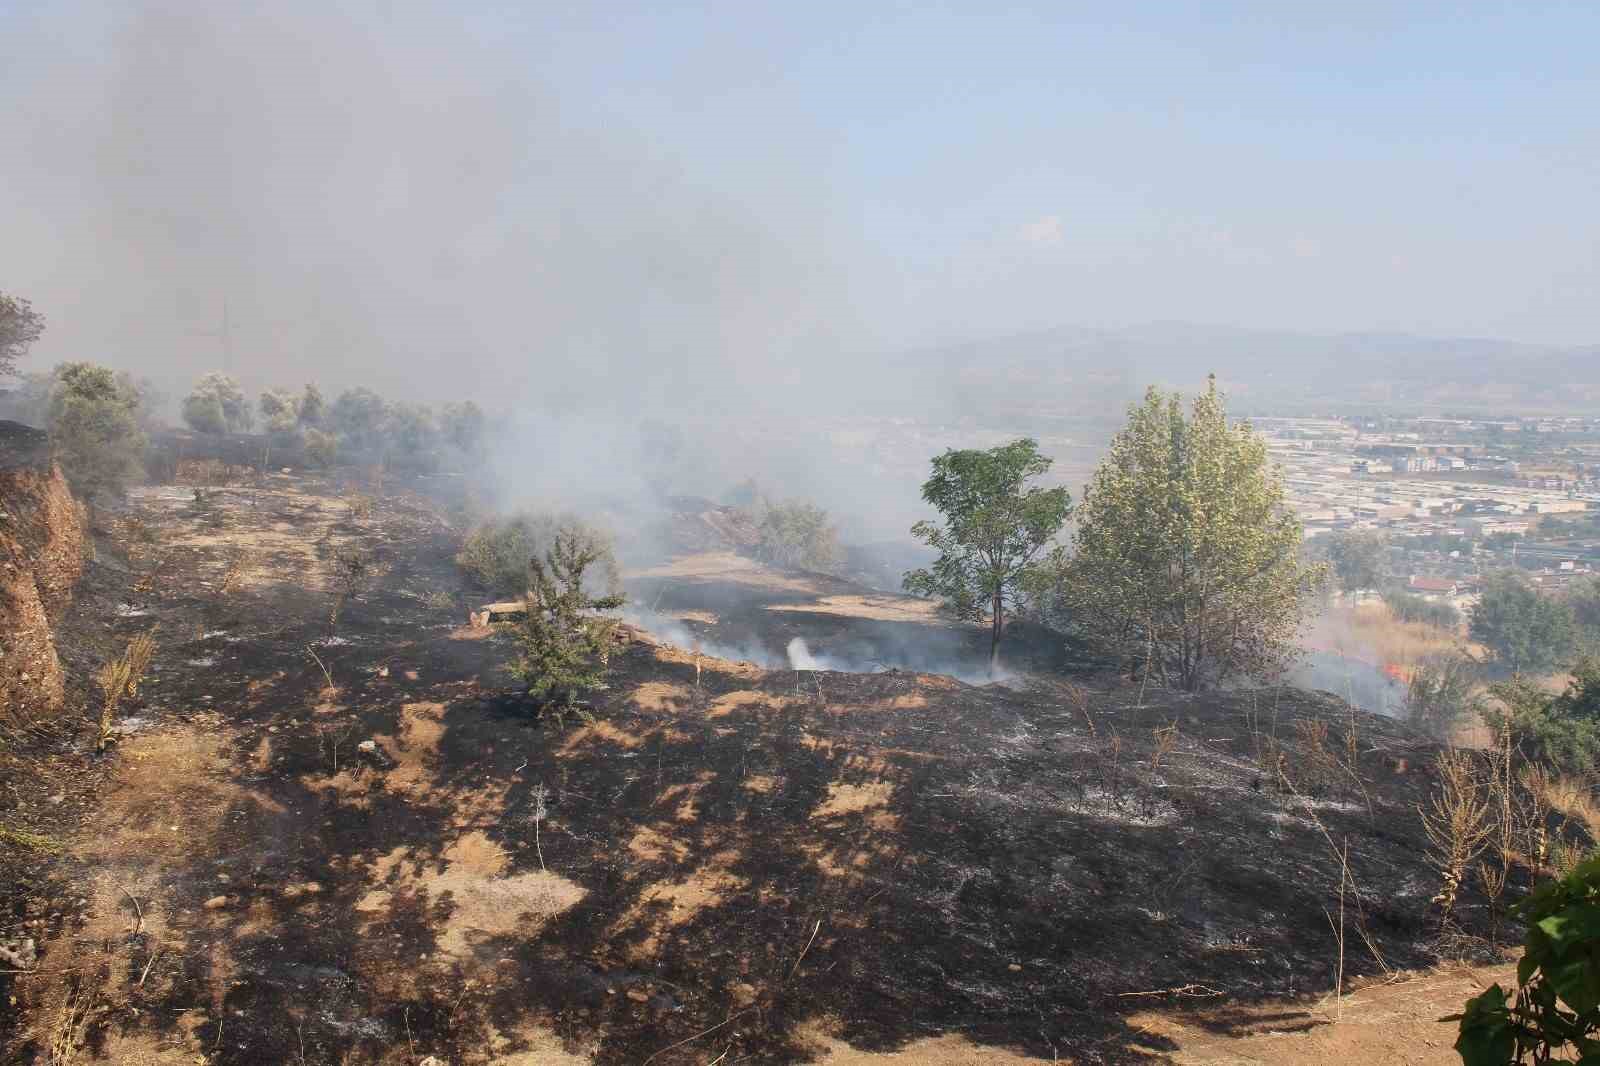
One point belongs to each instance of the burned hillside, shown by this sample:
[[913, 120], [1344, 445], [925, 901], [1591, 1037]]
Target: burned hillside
[[332, 833]]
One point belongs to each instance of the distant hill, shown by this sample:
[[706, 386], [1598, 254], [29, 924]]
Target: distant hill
[[1270, 368]]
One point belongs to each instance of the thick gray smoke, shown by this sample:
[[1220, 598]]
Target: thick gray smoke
[[387, 195]]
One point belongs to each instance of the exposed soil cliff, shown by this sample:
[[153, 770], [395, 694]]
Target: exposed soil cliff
[[41, 558]]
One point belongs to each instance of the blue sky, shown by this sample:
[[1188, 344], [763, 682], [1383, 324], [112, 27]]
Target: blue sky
[[853, 176]]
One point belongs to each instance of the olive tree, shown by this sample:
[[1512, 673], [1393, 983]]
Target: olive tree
[[20, 326], [798, 535], [998, 532], [217, 404], [1187, 552], [94, 428]]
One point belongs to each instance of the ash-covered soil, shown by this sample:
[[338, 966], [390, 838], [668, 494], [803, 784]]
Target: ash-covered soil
[[725, 860]]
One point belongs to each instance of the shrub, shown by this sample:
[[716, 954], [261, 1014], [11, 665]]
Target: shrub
[[798, 536], [564, 647], [1554, 1012], [496, 554], [1442, 693], [321, 448], [1561, 730], [1409, 607], [94, 428]]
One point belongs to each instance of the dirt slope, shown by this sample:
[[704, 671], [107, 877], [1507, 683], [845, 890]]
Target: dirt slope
[[725, 860], [41, 558]]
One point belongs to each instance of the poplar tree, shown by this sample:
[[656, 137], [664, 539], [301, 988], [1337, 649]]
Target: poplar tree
[[1187, 552]]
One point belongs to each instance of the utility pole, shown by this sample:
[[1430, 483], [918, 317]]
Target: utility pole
[[225, 335]]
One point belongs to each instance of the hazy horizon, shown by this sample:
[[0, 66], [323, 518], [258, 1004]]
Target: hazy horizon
[[630, 208]]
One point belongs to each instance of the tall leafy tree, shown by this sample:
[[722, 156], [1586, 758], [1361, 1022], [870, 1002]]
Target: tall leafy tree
[[94, 428], [998, 533], [20, 326], [217, 404], [312, 409], [1187, 552], [1523, 631], [1357, 560], [564, 641]]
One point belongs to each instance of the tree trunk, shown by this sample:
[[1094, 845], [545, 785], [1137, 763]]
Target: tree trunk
[[994, 638]]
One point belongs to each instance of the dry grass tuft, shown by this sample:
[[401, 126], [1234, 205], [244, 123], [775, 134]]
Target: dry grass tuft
[[1457, 821], [120, 678]]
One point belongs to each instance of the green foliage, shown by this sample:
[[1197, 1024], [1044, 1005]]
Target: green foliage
[[998, 531], [216, 404], [1524, 631], [564, 648], [1555, 1010], [798, 535], [1442, 692], [20, 326], [321, 448], [1409, 607], [412, 434], [1187, 554], [1357, 559], [94, 428], [1560, 729], [358, 416], [312, 408], [1584, 599], [463, 425], [495, 556], [281, 410]]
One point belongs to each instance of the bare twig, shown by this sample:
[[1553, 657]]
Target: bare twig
[[138, 910], [325, 674], [796, 967], [697, 1036], [1193, 991]]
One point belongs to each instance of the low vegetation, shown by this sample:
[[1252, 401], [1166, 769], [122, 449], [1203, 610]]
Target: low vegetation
[[497, 554], [564, 640], [1553, 1014]]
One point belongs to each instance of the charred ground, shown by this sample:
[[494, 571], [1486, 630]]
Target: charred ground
[[730, 860]]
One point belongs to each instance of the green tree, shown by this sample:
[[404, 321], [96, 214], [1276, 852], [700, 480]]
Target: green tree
[[20, 326], [321, 448], [463, 425], [281, 410], [798, 535], [564, 645], [1187, 552], [1524, 631], [1584, 599], [412, 433], [1561, 729], [495, 554], [313, 409], [94, 429], [1442, 692], [359, 415], [1357, 559], [216, 404], [998, 535]]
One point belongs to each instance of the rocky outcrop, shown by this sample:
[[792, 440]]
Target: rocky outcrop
[[41, 558]]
